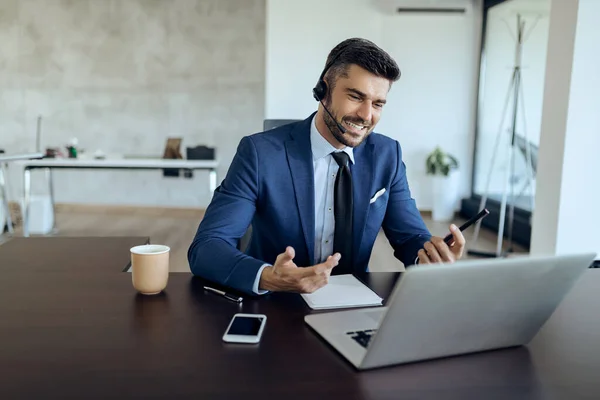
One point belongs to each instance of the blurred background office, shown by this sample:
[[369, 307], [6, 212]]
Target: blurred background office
[[118, 78]]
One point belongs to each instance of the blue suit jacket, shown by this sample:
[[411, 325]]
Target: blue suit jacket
[[270, 184]]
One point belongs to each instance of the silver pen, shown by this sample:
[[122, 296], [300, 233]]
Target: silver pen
[[224, 294]]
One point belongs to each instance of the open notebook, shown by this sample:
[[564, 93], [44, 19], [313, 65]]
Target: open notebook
[[342, 291]]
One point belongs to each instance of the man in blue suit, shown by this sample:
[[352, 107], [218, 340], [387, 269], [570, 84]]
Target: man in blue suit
[[317, 192]]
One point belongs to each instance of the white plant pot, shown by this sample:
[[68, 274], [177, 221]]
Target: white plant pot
[[445, 195]]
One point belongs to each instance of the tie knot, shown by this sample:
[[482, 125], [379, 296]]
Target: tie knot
[[341, 158]]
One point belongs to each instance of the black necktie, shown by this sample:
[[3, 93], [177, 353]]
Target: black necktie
[[343, 207]]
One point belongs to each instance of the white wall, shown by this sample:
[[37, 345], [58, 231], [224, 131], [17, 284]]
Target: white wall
[[299, 35], [433, 102], [567, 217], [579, 227]]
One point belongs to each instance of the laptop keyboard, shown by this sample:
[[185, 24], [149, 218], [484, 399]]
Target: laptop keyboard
[[362, 337]]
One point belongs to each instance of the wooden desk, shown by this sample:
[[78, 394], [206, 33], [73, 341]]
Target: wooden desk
[[73, 327]]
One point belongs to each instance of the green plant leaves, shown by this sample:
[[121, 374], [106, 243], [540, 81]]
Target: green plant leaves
[[440, 163]]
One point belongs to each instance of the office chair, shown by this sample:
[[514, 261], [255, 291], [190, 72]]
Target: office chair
[[199, 152], [245, 240], [269, 124]]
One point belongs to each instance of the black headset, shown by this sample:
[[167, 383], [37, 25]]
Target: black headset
[[320, 89]]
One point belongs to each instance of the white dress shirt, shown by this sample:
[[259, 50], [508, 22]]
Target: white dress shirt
[[325, 169]]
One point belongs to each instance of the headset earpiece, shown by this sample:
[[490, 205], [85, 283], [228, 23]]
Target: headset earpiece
[[320, 90]]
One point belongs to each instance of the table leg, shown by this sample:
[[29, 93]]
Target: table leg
[[26, 194], [4, 194], [50, 178], [212, 178]]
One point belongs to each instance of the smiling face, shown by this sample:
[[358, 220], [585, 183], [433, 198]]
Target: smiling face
[[356, 101]]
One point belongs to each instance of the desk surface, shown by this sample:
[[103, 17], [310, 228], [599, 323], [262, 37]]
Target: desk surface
[[73, 327], [19, 157], [124, 163]]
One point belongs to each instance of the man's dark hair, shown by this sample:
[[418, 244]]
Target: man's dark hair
[[363, 53]]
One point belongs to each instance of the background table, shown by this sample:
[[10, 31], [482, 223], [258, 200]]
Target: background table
[[49, 164], [4, 159], [73, 327]]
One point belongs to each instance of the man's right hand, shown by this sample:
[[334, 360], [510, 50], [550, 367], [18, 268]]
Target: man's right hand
[[286, 276]]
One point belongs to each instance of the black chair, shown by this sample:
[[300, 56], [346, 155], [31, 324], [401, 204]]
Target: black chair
[[245, 240], [198, 153], [269, 124]]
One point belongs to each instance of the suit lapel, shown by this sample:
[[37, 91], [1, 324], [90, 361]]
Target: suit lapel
[[362, 179], [299, 155]]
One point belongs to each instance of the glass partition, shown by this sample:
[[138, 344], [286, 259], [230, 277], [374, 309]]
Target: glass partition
[[510, 101]]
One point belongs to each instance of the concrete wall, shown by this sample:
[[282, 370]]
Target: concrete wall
[[122, 76]]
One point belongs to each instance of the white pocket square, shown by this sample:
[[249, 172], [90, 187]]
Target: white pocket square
[[377, 195]]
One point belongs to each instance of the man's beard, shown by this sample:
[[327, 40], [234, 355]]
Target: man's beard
[[344, 139]]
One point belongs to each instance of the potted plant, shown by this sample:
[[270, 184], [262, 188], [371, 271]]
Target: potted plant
[[443, 168]]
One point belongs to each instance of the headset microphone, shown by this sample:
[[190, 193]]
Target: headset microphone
[[340, 127]]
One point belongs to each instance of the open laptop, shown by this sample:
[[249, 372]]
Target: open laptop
[[443, 310]]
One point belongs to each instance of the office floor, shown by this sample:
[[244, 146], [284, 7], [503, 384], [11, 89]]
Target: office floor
[[176, 228]]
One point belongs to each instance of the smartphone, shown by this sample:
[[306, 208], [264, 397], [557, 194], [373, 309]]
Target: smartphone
[[245, 328], [448, 239]]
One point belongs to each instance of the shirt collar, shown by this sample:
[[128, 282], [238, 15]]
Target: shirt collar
[[321, 147]]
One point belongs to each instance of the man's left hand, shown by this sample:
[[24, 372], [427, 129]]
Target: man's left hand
[[437, 251]]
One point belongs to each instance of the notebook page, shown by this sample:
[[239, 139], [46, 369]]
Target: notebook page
[[342, 291]]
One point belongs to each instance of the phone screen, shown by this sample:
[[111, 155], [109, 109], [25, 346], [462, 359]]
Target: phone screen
[[245, 326]]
